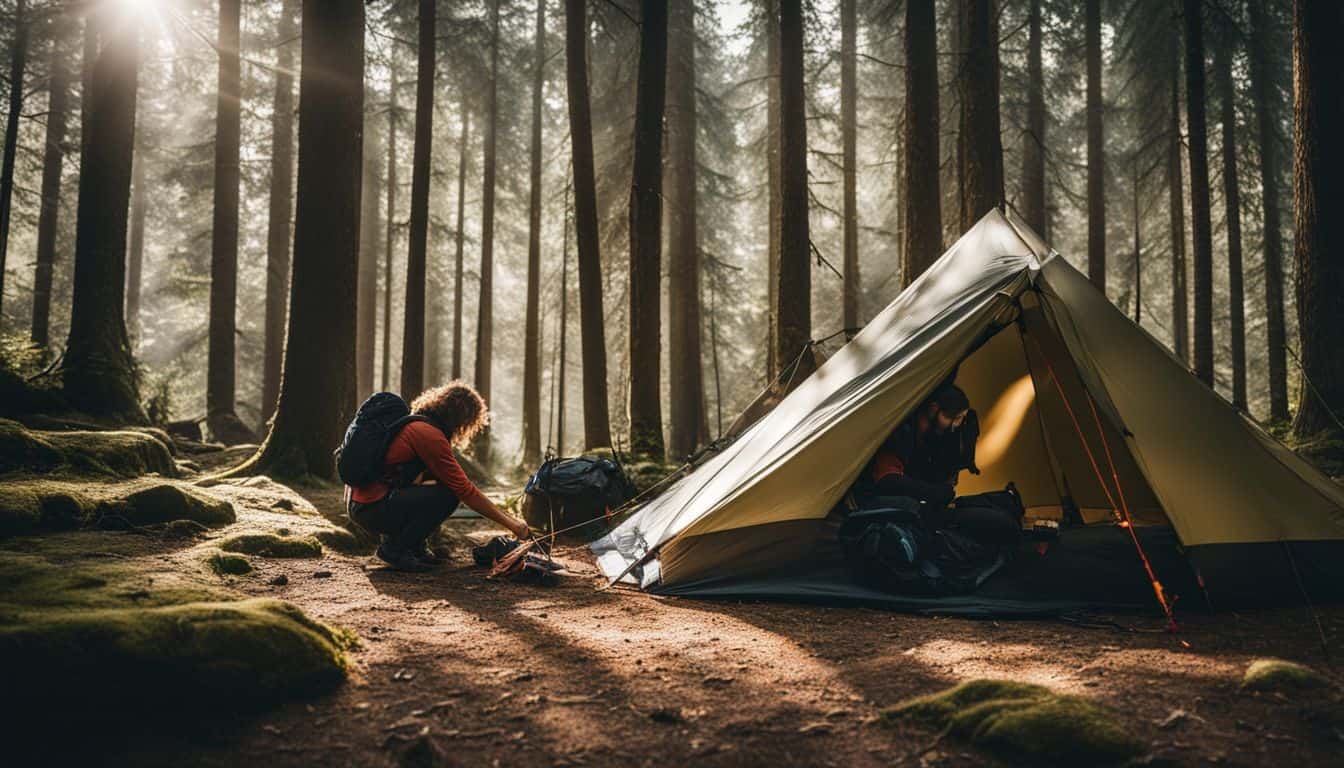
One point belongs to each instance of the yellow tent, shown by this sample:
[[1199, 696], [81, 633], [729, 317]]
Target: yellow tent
[[1079, 407]]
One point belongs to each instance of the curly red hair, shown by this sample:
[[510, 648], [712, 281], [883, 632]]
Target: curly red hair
[[457, 407]]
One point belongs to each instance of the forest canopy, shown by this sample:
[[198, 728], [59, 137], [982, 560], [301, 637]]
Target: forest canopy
[[622, 221]]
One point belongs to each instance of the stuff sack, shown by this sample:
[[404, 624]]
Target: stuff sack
[[359, 459], [565, 493]]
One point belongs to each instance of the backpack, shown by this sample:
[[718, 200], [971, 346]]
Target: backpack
[[893, 548], [570, 492], [360, 457]]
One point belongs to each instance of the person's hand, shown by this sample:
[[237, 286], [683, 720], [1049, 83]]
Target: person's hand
[[520, 529]]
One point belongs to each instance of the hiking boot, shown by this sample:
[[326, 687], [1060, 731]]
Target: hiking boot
[[400, 560], [428, 555]]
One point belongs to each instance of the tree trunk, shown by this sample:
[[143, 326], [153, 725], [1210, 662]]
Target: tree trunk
[[53, 158], [532, 342], [921, 198], [683, 259], [983, 143], [317, 391], [849, 149], [795, 256], [773, 363], [220, 377], [280, 208], [391, 238], [1033, 140], [1138, 246], [1180, 295], [90, 56], [413, 321], [17, 62], [1199, 189], [135, 254], [485, 308], [1318, 245], [1096, 153], [99, 372], [646, 229], [462, 157], [370, 230], [596, 421], [562, 356], [1232, 198], [1267, 139], [959, 47]]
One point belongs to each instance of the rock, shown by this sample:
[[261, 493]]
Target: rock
[[321, 574], [182, 529], [1282, 676], [279, 581], [227, 563], [1018, 721], [271, 545], [666, 715], [199, 655], [165, 502]]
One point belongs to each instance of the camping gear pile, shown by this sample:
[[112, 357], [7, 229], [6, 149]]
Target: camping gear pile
[[575, 495], [902, 545], [1104, 432], [524, 562]]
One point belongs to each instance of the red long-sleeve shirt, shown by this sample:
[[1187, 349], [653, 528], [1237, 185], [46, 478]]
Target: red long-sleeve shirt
[[426, 442]]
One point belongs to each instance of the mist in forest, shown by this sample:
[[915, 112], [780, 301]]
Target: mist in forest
[[1171, 186]]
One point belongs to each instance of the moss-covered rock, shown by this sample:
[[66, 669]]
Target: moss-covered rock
[[165, 502], [1282, 676], [1020, 721], [208, 654], [123, 634], [272, 545], [182, 529], [117, 453], [229, 564], [41, 503], [28, 506], [346, 541]]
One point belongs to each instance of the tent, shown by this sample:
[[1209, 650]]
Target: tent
[[1094, 420]]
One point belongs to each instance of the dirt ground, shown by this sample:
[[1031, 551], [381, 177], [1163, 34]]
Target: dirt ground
[[454, 669]]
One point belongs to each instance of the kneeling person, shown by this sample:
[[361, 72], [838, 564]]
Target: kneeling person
[[422, 482], [917, 459]]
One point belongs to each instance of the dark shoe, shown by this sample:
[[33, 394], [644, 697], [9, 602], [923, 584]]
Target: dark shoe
[[428, 556], [400, 560]]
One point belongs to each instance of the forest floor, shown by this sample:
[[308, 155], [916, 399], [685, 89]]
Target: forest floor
[[455, 669]]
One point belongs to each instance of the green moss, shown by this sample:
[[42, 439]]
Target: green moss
[[116, 635], [183, 529], [118, 453], [229, 564], [31, 583], [1016, 720], [1280, 675], [271, 545], [249, 651], [346, 542], [164, 502], [28, 506], [646, 474], [42, 503]]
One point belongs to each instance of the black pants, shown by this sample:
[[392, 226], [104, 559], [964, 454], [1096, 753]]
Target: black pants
[[407, 516]]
